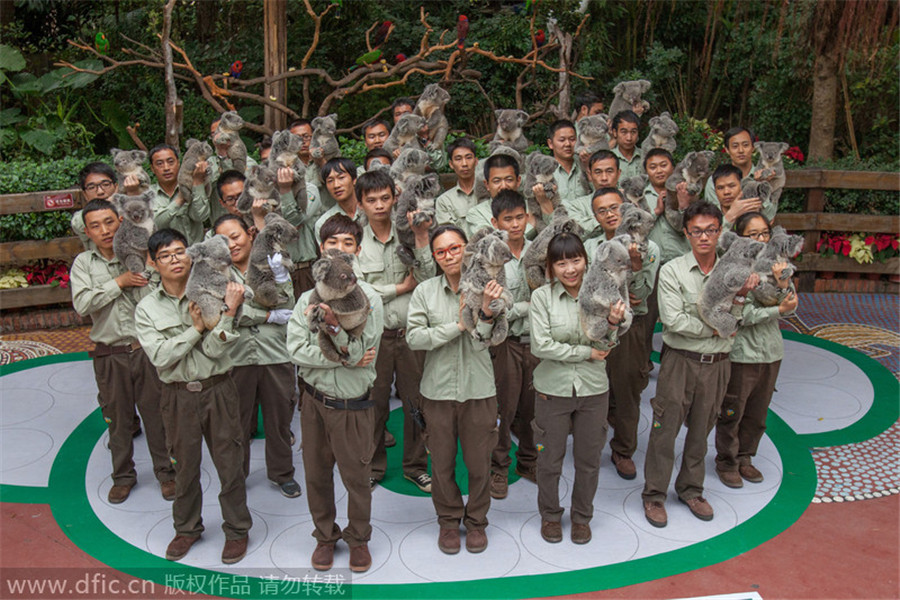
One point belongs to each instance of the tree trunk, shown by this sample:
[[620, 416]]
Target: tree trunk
[[824, 105], [207, 11], [275, 17], [173, 103]]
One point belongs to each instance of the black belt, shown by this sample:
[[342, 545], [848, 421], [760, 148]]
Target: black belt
[[101, 349], [361, 403], [394, 333], [705, 358], [523, 340], [201, 384]]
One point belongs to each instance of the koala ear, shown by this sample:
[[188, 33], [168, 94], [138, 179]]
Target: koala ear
[[757, 145], [522, 116], [347, 258], [645, 85], [602, 253], [783, 146], [726, 239], [333, 117], [498, 113], [654, 121], [624, 239], [778, 230], [139, 155], [665, 114], [620, 87], [320, 268], [148, 196]]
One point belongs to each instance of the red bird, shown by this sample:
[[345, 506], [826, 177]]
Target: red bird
[[540, 38], [399, 58], [236, 68], [462, 29], [381, 34]]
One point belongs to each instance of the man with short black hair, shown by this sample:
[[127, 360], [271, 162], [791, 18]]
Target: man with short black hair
[[603, 172], [375, 133], [501, 172], [453, 205], [625, 130], [400, 107], [339, 177], [587, 104], [97, 181], [169, 208], [729, 197], [569, 177]]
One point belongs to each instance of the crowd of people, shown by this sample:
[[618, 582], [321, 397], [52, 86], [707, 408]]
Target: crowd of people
[[155, 355]]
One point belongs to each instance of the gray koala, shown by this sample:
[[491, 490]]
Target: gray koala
[[769, 164], [285, 155], [781, 247], [726, 279], [483, 260], [628, 97], [534, 261], [324, 144], [605, 283], [273, 239], [209, 277], [129, 162], [130, 241], [633, 189], [693, 169], [509, 129], [412, 161], [751, 188], [337, 286], [405, 133], [431, 106], [228, 133], [539, 169], [260, 183], [636, 223], [593, 134], [195, 151], [419, 193], [662, 134]]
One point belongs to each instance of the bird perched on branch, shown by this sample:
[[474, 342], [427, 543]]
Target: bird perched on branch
[[382, 34], [101, 43], [399, 58], [540, 37], [368, 58], [236, 68], [462, 29]]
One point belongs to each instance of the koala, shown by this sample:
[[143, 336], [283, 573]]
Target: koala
[[539, 169], [636, 223], [227, 133], [195, 151], [261, 183], [483, 260], [324, 144], [284, 154], [130, 241], [751, 188], [593, 134], [662, 134], [633, 190], [693, 169], [769, 164], [628, 97], [781, 247], [337, 286], [273, 238], [405, 133], [412, 161], [128, 162], [725, 280], [209, 277], [605, 283], [534, 261], [431, 106], [509, 130], [419, 193]]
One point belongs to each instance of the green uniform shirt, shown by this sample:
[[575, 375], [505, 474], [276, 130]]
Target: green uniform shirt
[[519, 321], [558, 339], [359, 217], [217, 166], [455, 367], [672, 243], [331, 378], [768, 209], [178, 351], [260, 343], [630, 168], [759, 338], [95, 293], [581, 210], [680, 282], [187, 218], [572, 185], [453, 205], [641, 284], [306, 247], [480, 215]]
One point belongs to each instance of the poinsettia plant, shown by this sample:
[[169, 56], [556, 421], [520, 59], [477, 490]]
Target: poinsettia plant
[[864, 248], [55, 273]]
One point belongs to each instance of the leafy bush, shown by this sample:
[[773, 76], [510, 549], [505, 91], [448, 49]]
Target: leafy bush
[[862, 202], [35, 226], [23, 176]]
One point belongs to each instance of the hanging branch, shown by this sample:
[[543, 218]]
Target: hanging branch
[[173, 103]]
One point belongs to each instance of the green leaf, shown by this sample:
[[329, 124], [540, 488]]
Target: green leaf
[[40, 140], [11, 59], [11, 116], [79, 80], [8, 137], [50, 81], [25, 83]]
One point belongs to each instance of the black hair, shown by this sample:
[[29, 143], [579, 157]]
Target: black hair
[[458, 143], [340, 224], [500, 161], [604, 191], [372, 181], [564, 245], [587, 98], [337, 165], [98, 204], [230, 217], [375, 123], [629, 116], [377, 153], [163, 238], [559, 124], [736, 131], [602, 155], [402, 101], [727, 170], [446, 228], [299, 123], [160, 148], [658, 152], [229, 176], [265, 142], [506, 200], [744, 220], [98, 167], [701, 209]]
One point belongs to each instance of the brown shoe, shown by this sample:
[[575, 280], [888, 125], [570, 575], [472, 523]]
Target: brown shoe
[[529, 473], [234, 550], [179, 546], [499, 486], [119, 493], [656, 513], [730, 478], [700, 508], [551, 531], [168, 490], [476, 541], [624, 466], [581, 533], [750, 473], [323, 556], [448, 541], [360, 559]]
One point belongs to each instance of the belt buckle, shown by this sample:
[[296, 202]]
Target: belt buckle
[[194, 386], [326, 400], [707, 359], [401, 333]]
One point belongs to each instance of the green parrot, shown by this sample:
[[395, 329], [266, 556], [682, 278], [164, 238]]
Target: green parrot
[[368, 58], [101, 43]]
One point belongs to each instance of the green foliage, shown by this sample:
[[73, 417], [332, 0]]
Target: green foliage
[[35, 226], [862, 202], [355, 150], [23, 176]]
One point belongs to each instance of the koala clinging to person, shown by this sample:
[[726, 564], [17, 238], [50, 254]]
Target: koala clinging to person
[[338, 288], [228, 134], [780, 248], [405, 133], [593, 134], [725, 281], [270, 245], [261, 182], [635, 223], [130, 241], [195, 152], [419, 193], [534, 261], [431, 106], [694, 169], [284, 155], [751, 188], [324, 143], [130, 162], [210, 274], [411, 161], [539, 170], [628, 97], [605, 284], [662, 134], [484, 259], [509, 130], [633, 189], [770, 164]]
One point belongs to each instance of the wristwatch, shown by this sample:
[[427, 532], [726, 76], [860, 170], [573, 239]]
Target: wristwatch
[[225, 308], [740, 299], [483, 316], [333, 329]]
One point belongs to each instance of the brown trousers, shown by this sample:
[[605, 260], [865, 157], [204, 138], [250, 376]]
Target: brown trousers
[[652, 317], [343, 436], [396, 359], [554, 418], [272, 388], [127, 381], [302, 280], [214, 415], [513, 374], [742, 420], [626, 367], [473, 424]]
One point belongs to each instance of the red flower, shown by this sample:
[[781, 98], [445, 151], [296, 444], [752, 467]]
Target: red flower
[[795, 153]]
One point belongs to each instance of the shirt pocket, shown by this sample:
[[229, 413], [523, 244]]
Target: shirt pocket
[[170, 321]]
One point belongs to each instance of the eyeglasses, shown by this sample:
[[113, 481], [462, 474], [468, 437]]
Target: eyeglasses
[[171, 256], [760, 236], [230, 200], [449, 250], [699, 233], [613, 210], [105, 185], [305, 138]]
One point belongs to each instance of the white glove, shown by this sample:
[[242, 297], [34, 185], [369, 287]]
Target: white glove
[[279, 316], [281, 274]]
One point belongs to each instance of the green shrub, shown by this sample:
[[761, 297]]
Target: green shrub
[[19, 177], [35, 226]]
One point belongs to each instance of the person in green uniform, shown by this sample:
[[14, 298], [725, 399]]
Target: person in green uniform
[[569, 175], [453, 205], [169, 208], [624, 128]]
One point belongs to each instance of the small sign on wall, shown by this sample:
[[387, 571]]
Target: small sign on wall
[[55, 201]]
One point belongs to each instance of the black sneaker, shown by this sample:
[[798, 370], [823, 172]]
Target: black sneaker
[[421, 481], [289, 489]]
